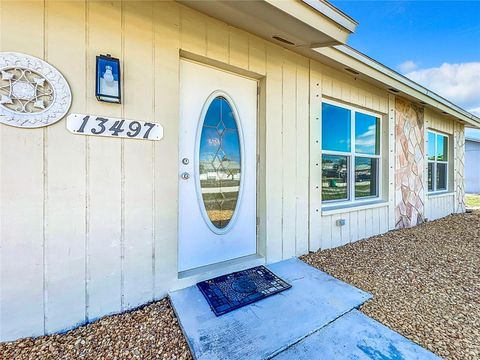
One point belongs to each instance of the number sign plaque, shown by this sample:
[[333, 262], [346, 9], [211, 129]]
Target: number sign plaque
[[112, 127]]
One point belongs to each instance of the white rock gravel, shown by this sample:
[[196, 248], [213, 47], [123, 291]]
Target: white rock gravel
[[425, 282]]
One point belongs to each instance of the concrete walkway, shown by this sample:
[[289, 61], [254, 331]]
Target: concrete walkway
[[315, 319]]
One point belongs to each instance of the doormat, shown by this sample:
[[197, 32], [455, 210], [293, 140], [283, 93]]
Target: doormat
[[229, 292]]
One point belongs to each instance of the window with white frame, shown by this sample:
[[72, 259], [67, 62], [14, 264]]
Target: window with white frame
[[437, 155], [351, 153]]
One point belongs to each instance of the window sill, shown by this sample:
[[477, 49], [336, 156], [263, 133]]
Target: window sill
[[342, 208], [440, 194]]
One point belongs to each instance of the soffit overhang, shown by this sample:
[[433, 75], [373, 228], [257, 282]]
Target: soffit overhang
[[302, 23]]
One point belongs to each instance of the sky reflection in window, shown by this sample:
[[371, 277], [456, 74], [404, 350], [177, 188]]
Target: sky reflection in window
[[367, 134], [431, 146], [335, 128], [442, 147]]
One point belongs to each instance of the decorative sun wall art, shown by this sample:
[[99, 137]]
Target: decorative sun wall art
[[32, 92]]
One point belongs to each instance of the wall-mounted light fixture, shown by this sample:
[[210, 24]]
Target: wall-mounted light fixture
[[108, 79]]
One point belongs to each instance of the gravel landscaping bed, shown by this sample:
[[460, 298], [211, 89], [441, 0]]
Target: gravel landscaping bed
[[425, 282], [151, 332]]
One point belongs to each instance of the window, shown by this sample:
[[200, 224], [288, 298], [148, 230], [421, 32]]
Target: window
[[350, 154], [437, 154]]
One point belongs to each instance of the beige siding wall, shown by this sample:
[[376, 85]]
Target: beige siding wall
[[437, 206], [360, 222], [89, 225]]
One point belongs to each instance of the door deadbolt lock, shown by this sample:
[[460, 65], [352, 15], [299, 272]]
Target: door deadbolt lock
[[185, 161], [185, 176]]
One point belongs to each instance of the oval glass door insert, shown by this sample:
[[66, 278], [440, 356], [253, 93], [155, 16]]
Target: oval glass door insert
[[220, 162]]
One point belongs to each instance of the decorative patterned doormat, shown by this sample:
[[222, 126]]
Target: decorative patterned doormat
[[229, 292]]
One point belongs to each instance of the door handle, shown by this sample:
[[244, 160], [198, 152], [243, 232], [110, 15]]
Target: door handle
[[185, 176]]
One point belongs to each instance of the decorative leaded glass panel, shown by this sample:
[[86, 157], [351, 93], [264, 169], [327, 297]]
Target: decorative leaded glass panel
[[220, 162]]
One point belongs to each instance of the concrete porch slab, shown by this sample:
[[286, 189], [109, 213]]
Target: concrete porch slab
[[356, 336], [267, 327]]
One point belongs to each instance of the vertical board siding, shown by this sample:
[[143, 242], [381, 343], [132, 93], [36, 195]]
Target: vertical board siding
[[317, 230], [289, 155], [257, 55], [302, 156], [66, 175], [105, 218], [137, 184], [193, 31], [391, 162], [359, 224], [217, 40], [443, 205], [22, 192], [440, 206], [346, 88], [238, 55], [165, 167], [273, 156], [108, 239], [438, 122]]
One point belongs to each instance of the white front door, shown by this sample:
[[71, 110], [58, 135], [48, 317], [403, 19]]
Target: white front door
[[217, 163]]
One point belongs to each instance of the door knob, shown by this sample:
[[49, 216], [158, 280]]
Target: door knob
[[185, 176]]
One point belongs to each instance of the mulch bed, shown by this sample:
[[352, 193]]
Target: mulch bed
[[425, 282]]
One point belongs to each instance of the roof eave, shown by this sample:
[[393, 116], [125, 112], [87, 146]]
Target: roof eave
[[333, 13], [377, 71]]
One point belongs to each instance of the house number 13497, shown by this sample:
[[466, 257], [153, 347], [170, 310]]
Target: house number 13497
[[112, 127]]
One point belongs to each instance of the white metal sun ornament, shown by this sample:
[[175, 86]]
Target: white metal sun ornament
[[32, 92]]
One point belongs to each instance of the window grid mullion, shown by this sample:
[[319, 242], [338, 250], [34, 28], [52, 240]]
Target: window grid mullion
[[352, 157], [435, 165]]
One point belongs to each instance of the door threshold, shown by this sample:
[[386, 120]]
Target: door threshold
[[189, 277]]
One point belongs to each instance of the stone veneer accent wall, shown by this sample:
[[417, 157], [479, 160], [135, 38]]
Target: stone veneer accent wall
[[409, 164], [459, 167]]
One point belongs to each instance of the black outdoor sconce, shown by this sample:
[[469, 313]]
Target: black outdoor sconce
[[108, 86]]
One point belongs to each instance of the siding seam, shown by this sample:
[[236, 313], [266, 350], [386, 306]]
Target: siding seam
[[154, 77], [122, 169], [45, 188], [87, 173]]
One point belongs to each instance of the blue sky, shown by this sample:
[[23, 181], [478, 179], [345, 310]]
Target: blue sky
[[435, 43]]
